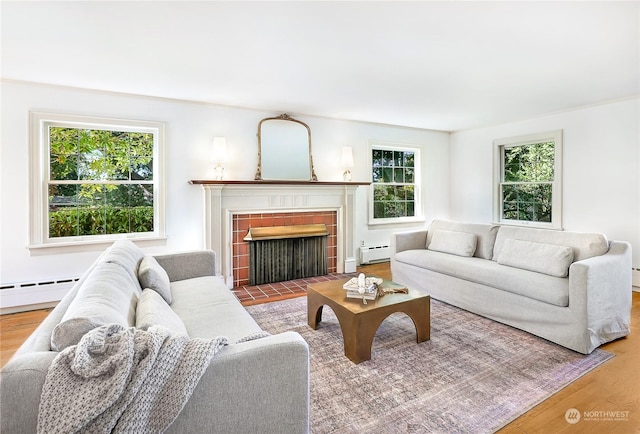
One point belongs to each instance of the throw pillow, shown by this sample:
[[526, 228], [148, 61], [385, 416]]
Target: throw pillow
[[551, 259], [153, 310], [152, 275], [108, 296], [456, 243]]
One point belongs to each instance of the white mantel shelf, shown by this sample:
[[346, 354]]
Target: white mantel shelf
[[225, 198], [273, 182]]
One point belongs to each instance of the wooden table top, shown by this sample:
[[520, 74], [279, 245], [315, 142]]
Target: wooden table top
[[334, 291]]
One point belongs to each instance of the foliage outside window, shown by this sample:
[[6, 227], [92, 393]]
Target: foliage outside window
[[100, 178], [394, 183], [529, 180]]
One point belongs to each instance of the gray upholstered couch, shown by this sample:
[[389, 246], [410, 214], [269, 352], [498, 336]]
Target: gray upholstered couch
[[571, 288], [261, 385]]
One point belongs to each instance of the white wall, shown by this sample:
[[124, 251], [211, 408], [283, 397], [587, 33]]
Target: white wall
[[190, 129], [601, 169]]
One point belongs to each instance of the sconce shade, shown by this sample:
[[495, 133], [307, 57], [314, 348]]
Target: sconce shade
[[219, 151], [347, 157]]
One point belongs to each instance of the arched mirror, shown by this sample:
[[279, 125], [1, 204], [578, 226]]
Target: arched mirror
[[284, 150]]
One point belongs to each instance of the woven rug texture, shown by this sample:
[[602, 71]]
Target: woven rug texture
[[473, 376]]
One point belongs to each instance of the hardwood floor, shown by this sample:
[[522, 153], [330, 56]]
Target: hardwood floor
[[609, 392]]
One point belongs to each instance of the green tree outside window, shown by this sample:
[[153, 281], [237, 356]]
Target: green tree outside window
[[528, 175], [393, 177], [100, 182]]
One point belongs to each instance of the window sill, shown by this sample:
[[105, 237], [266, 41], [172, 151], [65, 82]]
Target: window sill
[[396, 221], [90, 245], [525, 224]]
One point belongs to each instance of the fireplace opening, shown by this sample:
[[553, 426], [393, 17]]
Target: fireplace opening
[[280, 253]]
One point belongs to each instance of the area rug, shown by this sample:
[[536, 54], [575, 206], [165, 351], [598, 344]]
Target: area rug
[[473, 376]]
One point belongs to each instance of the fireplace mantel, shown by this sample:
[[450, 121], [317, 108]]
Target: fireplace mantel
[[273, 182], [224, 199]]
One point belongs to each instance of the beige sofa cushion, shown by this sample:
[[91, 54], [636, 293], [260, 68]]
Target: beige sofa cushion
[[550, 259], [126, 254], [538, 286], [152, 275], [485, 235], [108, 296], [456, 243], [584, 245], [153, 310]]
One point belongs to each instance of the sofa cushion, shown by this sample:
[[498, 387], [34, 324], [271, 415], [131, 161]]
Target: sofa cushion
[[126, 254], [152, 310], [485, 235], [584, 245], [152, 275], [108, 296], [538, 286], [209, 309], [456, 243], [550, 259]]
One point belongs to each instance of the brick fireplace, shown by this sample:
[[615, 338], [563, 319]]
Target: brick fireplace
[[242, 223], [231, 207]]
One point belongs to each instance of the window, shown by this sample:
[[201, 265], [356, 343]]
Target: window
[[528, 172], [95, 179], [395, 177]]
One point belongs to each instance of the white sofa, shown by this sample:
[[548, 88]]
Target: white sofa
[[260, 385], [570, 288]]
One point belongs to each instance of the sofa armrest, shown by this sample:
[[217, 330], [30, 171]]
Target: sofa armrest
[[255, 386], [21, 383], [187, 265], [601, 287], [413, 240]]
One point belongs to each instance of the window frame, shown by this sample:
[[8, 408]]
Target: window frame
[[499, 146], [417, 197], [40, 167]]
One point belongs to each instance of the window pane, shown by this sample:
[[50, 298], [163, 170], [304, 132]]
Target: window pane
[[63, 211], [141, 169], [376, 158], [100, 155], [527, 202], [530, 163], [376, 173], [387, 174], [141, 195], [141, 144], [398, 158], [393, 173], [408, 176], [91, 166], [63, 167], [409, 159], [387, 158], [398, 175]]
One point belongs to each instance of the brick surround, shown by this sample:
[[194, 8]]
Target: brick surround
[[242, 222]]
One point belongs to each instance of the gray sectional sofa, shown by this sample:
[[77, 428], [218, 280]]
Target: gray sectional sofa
[[570, 288], [260, 385]]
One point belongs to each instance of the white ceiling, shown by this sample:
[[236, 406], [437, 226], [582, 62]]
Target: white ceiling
[[437, 65]]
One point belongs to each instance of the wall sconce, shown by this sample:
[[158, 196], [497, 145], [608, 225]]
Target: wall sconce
[[219, 154], [347, 162]]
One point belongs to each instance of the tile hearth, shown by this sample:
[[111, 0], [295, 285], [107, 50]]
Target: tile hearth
[[280, 290]]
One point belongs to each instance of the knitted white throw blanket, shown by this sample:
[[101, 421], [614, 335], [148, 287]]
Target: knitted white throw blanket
[[120, 379]]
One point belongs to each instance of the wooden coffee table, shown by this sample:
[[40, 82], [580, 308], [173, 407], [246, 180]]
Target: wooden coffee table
[[359, 322]]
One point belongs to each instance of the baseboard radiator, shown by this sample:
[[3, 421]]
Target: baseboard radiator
[[373, 254], [24, 296]]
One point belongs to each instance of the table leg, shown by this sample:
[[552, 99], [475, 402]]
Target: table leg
[[314, 310], [358, 338], [420, 313]]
